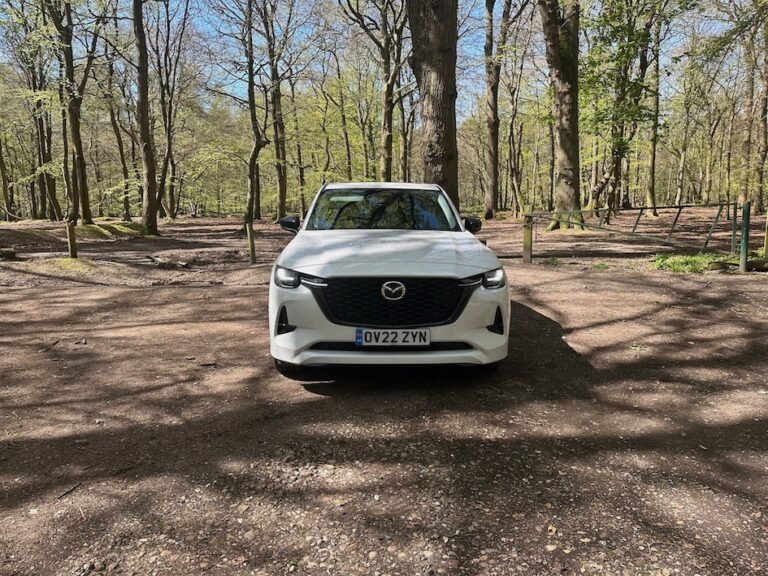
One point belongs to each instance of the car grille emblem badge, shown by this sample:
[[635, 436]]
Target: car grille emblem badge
[[393, 290]]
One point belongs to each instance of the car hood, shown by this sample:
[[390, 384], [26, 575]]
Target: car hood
[[329, 253]]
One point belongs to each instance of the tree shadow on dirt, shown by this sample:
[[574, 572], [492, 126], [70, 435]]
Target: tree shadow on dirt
[[468, 456]]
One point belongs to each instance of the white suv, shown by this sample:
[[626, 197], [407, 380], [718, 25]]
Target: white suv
[[383, 273]]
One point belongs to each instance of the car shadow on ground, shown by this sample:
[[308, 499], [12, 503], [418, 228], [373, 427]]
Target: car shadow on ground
[[535, 342]]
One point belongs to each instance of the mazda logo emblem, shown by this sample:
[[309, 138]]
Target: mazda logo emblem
[[393, 290]]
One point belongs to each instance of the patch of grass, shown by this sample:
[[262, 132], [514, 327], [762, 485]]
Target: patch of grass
[[552, 261], [695, 264], [74, 265], [92, 231], [124, 229], [601, 266], [105, 231], [64, 266]]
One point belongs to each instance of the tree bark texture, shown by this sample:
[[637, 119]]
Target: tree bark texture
[[561, 32], [434, 29], [149, 162]]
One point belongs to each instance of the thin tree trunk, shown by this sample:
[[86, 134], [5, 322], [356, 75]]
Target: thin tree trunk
[[123, 162], [299, 155], [7, 202], [552, 169], [278, 127], [343, 113], [172, 205], [749, 110], [625, 183], [729, 156], [404, 139], [149, 162], [69, 184], [253, 204], [387, 121], [650, 191], [762, 130], [492, 78]]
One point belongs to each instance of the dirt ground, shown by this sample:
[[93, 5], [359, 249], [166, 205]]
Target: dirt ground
[[144, 430]]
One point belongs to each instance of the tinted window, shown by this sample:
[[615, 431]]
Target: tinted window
[[350, 209]]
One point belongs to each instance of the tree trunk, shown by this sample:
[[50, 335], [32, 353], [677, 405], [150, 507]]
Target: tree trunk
[[74, 105], [493, 59], [344, 127], [404, 140], [39, 155], [173, 208], [387, 117], [123, 162], [149, 162], [364, 144], [7, 202], [492, 77], [33, 199], [49, 203], [552, 169], [749, 110], [762, 130], [69, 184], [561, 33], [278, 127], [253, 204], [650, 191], [434, 28], [299, 154]]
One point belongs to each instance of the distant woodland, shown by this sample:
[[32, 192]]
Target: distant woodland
[[212, 107]]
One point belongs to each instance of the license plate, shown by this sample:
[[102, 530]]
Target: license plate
[[399, 337]]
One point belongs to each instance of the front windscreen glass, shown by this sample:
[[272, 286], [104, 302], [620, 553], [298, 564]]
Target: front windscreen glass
[[382, 209]]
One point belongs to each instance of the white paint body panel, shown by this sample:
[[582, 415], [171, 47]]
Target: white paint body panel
[[386, 254]]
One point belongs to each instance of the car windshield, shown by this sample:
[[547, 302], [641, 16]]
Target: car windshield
[[382, 209]]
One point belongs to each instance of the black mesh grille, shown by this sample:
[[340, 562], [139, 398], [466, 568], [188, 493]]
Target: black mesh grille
[[359, 302]]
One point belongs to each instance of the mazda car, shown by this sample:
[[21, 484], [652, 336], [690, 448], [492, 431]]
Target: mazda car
[[383, 273]]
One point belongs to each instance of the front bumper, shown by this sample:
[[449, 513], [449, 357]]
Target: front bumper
[[313, 328]]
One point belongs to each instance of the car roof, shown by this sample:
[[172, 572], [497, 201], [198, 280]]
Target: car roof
[[377, 185]]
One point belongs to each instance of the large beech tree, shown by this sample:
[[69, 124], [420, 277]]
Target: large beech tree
[[434, 31], [560, 22]]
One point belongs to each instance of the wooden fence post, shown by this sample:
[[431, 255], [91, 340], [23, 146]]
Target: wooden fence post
[[744, 237], [251, 242], [527, 234], [71, 239]]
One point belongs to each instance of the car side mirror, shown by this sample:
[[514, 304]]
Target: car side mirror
[[290, 223], [472, 224]]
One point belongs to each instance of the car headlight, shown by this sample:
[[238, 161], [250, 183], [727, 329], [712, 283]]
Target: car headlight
[[286, 278], [495, 278]]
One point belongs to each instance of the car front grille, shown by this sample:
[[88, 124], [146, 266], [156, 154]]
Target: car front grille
[[359, 302]]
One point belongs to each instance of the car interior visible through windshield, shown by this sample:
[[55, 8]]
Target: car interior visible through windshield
[[382, 209]]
